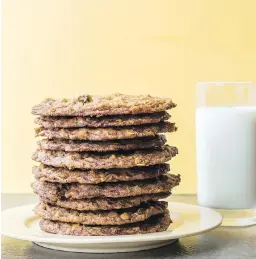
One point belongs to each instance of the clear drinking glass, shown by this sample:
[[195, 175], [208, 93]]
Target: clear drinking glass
[[226, 150]]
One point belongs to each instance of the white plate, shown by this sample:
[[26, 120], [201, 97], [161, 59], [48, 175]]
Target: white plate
[[21, 223]]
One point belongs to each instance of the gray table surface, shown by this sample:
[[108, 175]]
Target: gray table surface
[[224, 243]]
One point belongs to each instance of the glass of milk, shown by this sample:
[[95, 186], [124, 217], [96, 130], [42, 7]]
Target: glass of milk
[[226, 149]]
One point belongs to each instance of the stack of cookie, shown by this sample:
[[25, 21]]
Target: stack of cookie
[[103, 165]]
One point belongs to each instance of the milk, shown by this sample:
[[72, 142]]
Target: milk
[[226, 157]]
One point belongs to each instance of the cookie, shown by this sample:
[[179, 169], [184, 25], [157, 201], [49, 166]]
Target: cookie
[[105, 203], [93, 160], [88, 105], [112, 217], [98, 134], [62, 175], [101, 122], [154, 224], [156, 142], [57, 191]]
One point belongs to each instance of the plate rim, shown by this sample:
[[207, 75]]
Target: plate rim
[[61, 239]]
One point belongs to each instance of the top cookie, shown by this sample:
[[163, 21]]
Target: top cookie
[[87, 105]]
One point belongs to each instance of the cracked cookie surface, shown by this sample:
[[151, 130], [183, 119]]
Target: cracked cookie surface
[[76, 191], [90, 176], [156, 142], [105, 203], [98, 134], [104, 121], [112, 217], [89, 105], [154, 224], [96, 160]]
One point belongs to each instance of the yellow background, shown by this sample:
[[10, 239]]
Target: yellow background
[[63, 48]]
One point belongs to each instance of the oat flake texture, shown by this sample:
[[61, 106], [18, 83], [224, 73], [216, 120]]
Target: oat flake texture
[[103, 164], [89, 105]]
